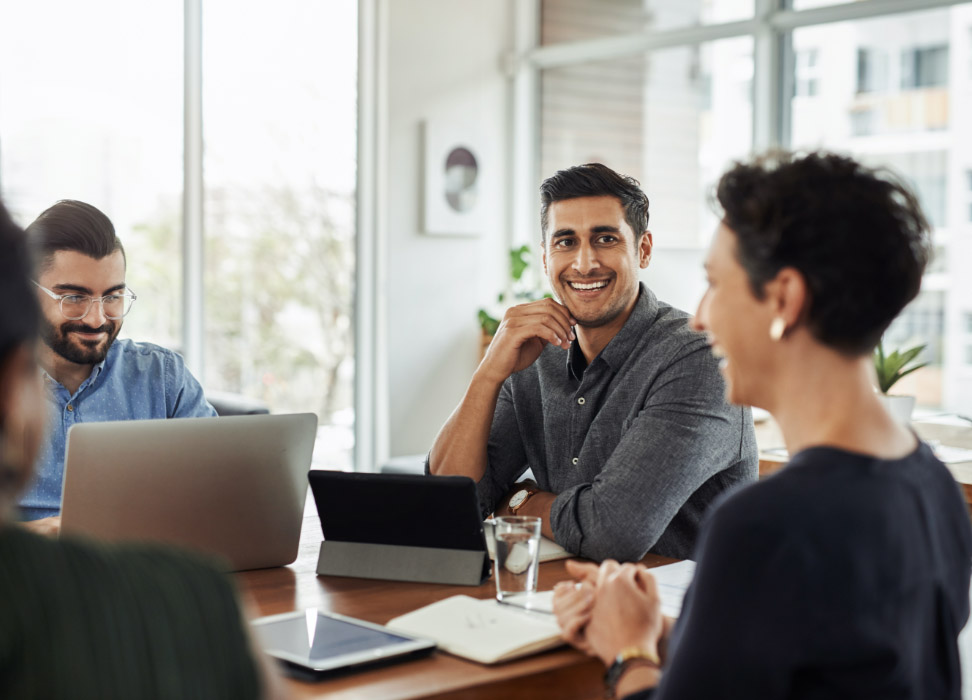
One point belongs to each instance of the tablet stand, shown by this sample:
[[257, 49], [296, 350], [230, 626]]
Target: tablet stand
[[462, 567]]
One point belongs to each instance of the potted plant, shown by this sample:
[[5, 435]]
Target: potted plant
[[892, 367], [523, 288]]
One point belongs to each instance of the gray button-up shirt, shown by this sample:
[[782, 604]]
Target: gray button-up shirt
[[636, 445]]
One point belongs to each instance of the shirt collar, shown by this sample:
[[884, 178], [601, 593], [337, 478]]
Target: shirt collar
[[621, 345], [576, 362], [97, 369], [95, 372]]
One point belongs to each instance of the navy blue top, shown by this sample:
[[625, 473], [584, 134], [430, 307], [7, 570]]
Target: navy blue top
[[842, 576]]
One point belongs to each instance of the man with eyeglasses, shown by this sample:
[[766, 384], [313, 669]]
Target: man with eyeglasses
[[90, 377]]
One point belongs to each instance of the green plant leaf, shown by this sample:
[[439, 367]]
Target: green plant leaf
[[519, 261], [487, 322], [909, 355], [892, 367], [911, 369], [893, 363]]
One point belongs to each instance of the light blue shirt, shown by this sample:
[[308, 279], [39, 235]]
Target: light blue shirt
[[135, 381]]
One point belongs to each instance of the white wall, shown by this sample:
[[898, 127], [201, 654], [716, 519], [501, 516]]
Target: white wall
[[443, 61]]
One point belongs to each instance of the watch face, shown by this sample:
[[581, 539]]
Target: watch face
[[518, 498]]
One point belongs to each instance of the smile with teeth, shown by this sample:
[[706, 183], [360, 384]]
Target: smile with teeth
[[580, 286]]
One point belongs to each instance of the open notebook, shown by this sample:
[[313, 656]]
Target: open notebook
[[489, 632]]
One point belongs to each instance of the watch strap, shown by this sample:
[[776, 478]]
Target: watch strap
[[627, 658], [529, 494]]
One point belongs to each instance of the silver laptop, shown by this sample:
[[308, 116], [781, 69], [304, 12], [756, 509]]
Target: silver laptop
[[232, 486]]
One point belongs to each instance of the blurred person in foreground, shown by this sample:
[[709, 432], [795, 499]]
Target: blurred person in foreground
[[89, 374], [847, 573], [81, 620]]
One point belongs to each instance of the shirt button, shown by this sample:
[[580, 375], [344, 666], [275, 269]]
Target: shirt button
[[574, 460], [581, 400], [70, 407]]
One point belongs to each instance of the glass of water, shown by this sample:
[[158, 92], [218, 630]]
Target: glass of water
[[517, 556]]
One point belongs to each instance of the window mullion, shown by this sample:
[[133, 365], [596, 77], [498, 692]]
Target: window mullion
[[768, 78], [192, 198]]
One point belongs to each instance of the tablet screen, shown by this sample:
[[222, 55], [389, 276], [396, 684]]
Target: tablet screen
[[320, 641]]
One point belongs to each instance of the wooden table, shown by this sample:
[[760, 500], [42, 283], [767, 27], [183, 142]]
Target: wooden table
[[560, 673], [768, 436]]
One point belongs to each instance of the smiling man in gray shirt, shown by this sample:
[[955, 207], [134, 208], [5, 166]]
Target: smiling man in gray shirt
[[605, 393]]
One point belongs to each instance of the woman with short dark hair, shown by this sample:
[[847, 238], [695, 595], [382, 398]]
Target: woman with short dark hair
[[847, 573]]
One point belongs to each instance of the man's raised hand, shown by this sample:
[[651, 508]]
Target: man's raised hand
[[521, 337]]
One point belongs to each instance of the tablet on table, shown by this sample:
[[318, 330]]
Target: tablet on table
[[320, 642]]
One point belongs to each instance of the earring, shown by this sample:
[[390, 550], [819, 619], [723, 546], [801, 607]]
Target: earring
[[777, 328]]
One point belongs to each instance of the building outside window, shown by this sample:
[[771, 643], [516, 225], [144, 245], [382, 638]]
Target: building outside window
[[880, 87], [968, 193], [872, 70], [924, 67], [807, 73]]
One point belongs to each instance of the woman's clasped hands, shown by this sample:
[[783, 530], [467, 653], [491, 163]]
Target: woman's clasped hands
[[611, 608]]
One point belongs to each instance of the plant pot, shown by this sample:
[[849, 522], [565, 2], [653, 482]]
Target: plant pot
[[900, 407]]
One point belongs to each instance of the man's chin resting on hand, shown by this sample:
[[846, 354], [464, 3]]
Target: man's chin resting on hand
[[603, 392]]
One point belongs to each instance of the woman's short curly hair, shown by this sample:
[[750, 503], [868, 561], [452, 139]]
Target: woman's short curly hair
[[856, 234]]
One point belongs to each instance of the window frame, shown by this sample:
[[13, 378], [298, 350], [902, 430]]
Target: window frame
[[771, 28]]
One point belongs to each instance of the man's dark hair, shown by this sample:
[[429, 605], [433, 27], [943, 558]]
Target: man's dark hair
[[595, 180], [856, 234], [19, 309], [73, 225]]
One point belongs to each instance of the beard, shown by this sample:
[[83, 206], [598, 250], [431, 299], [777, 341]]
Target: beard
[[81, 352], [587, 317], [600, 318]]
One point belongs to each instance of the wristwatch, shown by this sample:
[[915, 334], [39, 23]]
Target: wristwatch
[[519, 498], [626, 658]]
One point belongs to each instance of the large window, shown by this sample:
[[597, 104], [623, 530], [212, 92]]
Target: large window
[[96, 115], [894, 109], [279, 124], [671, 91], [92, 108], [672, 119]]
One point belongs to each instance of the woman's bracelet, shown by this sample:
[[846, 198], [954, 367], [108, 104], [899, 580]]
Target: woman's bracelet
[[627, 658]]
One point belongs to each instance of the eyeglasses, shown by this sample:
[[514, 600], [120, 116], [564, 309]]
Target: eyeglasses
[[74, 307]]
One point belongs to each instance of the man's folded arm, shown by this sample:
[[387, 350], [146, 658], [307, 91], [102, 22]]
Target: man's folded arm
[[684, 435]]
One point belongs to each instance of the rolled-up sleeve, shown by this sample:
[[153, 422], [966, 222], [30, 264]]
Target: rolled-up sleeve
[[683, 436]]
